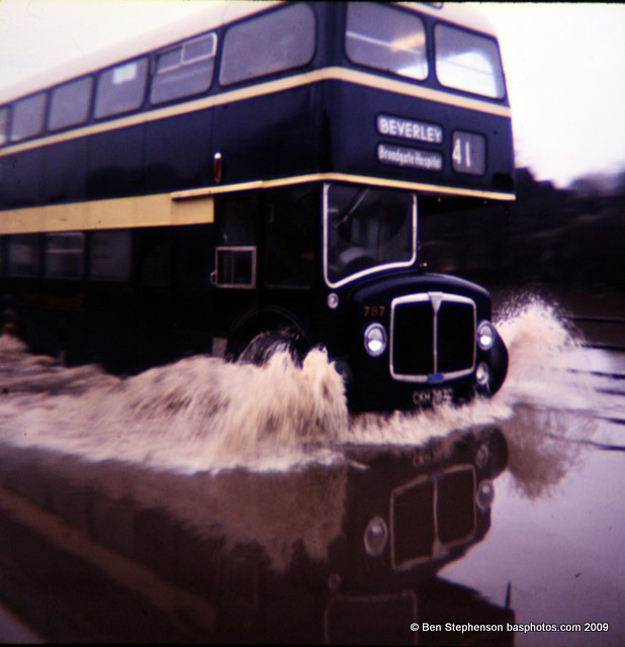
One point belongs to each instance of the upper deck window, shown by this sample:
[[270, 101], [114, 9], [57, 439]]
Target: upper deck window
[[4, 125], [184, 70], [121, 88], [69, 104], [387, 39], [273, 42], [468, 62], [28, 117]]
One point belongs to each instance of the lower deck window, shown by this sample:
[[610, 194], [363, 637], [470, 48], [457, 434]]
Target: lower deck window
[[22, 256], [110, 255], [64, 255]]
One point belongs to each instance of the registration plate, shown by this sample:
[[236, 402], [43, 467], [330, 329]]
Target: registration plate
[[429, 397]]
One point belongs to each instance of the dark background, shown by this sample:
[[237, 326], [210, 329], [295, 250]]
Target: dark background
[[565, 246]]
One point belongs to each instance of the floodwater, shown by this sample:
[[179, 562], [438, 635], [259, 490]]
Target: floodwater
[[205, 501]]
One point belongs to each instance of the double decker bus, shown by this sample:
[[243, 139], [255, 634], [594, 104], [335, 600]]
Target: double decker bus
[[252, 179]]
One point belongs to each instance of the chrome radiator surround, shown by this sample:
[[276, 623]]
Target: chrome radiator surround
[[436, 301]]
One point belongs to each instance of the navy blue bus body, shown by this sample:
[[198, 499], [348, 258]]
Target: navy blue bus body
[[324, 123], [255, 149]]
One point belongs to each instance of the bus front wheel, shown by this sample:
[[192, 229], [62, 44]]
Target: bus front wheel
[[267, 343]]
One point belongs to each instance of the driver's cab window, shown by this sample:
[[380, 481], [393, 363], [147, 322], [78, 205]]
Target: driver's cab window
[[366, 230]]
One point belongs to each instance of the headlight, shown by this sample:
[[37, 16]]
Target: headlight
[[486, 335], [375, 339], [376, 536]]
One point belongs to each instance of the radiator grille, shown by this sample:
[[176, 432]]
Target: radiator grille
[[432, 337], [431, 515]]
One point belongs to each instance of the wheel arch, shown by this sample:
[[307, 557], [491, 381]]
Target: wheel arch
[[253, 323]]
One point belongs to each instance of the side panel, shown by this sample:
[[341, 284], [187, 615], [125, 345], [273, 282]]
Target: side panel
[[64, 173], [160, 311], [21, 178], [178, 152], [270, 136], [115, 163]]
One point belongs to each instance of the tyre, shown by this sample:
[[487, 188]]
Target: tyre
[[266, 344]]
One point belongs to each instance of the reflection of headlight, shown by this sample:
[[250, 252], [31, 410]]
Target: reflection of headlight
[[376, 536], [485, 495], [375, 339], [485, 335], [482, 375]]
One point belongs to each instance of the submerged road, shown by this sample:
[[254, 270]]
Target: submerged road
[[505, 530]]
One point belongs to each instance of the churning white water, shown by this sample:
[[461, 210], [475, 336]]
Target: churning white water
[[202, 414]]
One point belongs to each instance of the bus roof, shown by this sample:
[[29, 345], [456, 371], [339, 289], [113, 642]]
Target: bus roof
[[212, 16]]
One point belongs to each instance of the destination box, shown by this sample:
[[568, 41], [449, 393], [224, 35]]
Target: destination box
[[409, 129], [411, 157]]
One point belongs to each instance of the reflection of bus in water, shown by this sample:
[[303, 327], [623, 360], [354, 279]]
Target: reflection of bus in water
[[348, 553], [253, 179]]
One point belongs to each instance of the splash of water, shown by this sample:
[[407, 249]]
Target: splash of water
[[196, 414], [204, 414], [542, 351], [552, 392]]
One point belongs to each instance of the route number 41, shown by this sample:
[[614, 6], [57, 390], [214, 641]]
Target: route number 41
[[468, 153]]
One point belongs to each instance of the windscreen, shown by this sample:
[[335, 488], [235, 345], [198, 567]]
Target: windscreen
[[367, 229]]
